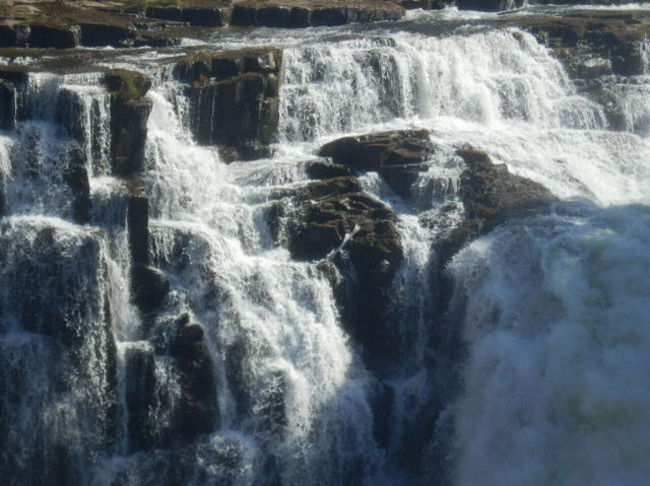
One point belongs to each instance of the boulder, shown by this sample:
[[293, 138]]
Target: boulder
[[397, 156], [129, 114]]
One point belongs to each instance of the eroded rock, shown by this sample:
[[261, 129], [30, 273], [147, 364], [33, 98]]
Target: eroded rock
[[397, 156], [129, 114], [234, 98]]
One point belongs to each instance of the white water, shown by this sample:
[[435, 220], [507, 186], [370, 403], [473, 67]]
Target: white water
[[555, 305]]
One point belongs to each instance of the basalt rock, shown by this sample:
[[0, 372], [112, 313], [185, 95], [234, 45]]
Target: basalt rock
[[76, 177], [101, 34], [333, 219], [54, 36], [297, 14], [150, 287], [397, 156], [488, 5], [199, 411], [200, 14], [616, 36], [129, 114], [490, 194], [12, 80], [138, 222], [234, 98]]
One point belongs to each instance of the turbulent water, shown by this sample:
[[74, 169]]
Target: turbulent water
[[552, 309]]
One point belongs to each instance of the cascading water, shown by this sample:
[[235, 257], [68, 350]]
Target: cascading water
[[550, 306]]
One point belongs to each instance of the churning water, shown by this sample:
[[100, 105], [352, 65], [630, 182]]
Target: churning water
[[553, 308]]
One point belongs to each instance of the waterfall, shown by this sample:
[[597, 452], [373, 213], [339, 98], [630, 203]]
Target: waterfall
[[520, 360]]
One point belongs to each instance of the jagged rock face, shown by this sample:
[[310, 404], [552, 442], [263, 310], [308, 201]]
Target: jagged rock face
[[234, 98], [397, 156]]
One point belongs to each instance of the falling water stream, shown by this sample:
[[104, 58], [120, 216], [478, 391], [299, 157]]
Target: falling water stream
[[552, 308]]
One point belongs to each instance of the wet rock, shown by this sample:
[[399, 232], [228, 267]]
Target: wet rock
[[54, 36], [76, 177], [319, 169], [199, 410], [206, 16], [234, 98], [490, 194], [296, 14], [98, 34], [617, 36], [488, 5], [138, 222], [69, 114], [129, 114], [397, 156], [150, 287], [333, 219], [140, 397], [7, 105]]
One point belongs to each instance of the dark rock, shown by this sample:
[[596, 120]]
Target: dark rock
[[488, 5], [234, 98], [8, 106], [14, 74], [397, 156], [296, 14], [150, 287], [617, 36], [358, 233], [138, 223], [8, 36], [195, 16], [69, 114], [490, 193], [129, 114], [97, 34], [199, 410], [326, 170], [140, 397], [76, 177], [52, 36]]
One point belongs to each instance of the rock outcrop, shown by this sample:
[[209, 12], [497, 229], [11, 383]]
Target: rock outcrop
[[234, 98], [334, 221], [616, 36], [490, 193], [297, 13], [397, 156], [129, 114]]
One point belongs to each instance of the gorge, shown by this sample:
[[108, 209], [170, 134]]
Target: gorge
[[282, 243]]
